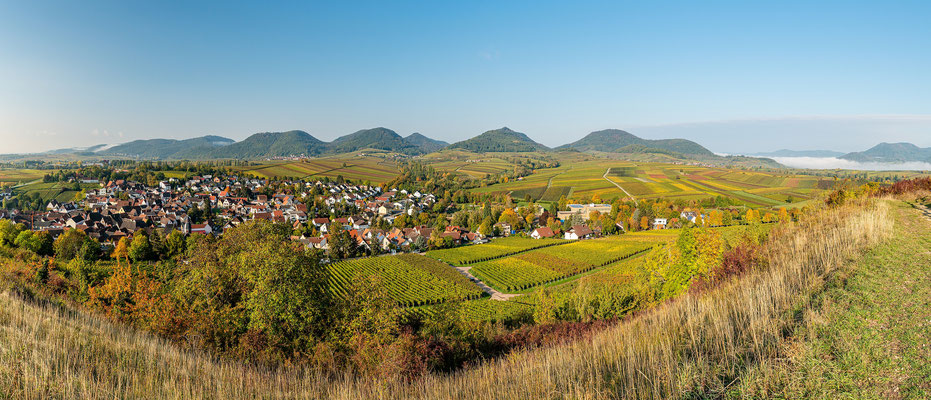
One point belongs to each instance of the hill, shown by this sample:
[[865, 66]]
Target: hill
[[168, 148], [271, 144], [426, 144], [891, 152], [799, 153], [500, 140], [375, 138], [613, 140]]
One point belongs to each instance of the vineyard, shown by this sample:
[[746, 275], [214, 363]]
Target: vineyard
[[550, 264], [410, 279], [497, 248]]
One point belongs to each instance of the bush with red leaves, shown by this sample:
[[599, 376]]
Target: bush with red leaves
[[736, 262]]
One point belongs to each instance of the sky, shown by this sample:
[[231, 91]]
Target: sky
[[736, 76]]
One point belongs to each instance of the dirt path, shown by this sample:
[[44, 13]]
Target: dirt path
[[495, 295], [605, 176]]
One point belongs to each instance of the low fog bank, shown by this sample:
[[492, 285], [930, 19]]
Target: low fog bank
[[838, 163]]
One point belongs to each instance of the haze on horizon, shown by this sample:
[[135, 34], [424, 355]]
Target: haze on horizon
[[736, 77]]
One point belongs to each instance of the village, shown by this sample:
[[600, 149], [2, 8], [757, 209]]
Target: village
[[211, 204]]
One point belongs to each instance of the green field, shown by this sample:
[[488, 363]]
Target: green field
[[499, 247], [19, 176], [410, 279], [60, 191]]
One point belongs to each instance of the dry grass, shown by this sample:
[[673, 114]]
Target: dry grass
[[695, 346]]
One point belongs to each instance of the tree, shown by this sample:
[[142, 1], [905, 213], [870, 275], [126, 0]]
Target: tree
[[644, 223], [67, 245], [783, 215], [716, 218], [9, 231], [340, 244], [174, 244], [140, 249], [753, 216], [486, 227]]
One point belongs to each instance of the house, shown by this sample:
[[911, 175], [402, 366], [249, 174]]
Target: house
[[201, 228], [659, 223], [579, 232], [542, 232]]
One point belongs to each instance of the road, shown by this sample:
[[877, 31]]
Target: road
[[495, 295], [605, 176]]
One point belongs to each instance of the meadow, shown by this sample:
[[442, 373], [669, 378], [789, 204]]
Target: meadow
[[9, 176]]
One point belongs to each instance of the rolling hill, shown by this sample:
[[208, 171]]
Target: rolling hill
[[168, 148], [612, 140], [891, 152], [500, 140], [375, 138], [426, 144], [271, 144]]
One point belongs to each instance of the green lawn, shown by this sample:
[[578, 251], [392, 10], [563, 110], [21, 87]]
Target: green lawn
[[867, 334]]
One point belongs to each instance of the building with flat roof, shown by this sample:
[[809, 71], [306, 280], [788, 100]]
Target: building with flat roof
[[584, 210]]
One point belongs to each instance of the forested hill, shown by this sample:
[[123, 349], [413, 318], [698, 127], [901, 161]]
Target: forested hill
[[375, 138], [426, 144], [612, 140], [892, 152], [500, 140], [167, 148]]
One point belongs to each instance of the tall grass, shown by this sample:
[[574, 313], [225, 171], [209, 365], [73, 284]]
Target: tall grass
[[693, 346]]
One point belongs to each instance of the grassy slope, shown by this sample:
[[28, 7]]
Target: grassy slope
[[691, 347], [868, 334]]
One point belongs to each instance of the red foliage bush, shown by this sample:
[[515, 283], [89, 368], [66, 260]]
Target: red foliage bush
[[550, 334], [736, 262]]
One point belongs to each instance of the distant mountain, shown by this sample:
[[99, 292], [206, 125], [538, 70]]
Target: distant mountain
[[426, 144], [612, 140], [168, 148], [375, 138], [271, 144], [891, 152], [500, 140], [799, 153]]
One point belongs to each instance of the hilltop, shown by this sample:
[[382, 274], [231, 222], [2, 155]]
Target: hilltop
[[271, 144], [500, 140], [617, 141], [891, 152], [426, 144], [375, 138]]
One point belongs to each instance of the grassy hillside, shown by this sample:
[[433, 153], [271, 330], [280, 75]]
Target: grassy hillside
[[701, 345], [866, 334]]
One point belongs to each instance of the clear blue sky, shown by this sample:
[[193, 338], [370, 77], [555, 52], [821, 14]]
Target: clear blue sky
[[728, 74]]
